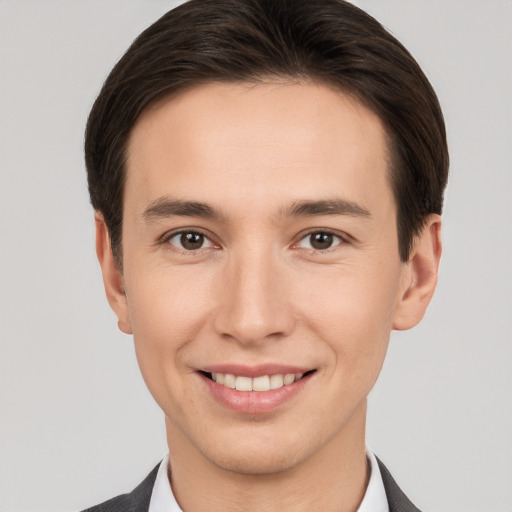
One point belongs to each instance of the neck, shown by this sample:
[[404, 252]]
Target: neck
[[333, 478]]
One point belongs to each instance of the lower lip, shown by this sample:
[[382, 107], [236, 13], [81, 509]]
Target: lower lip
[[254, 402]]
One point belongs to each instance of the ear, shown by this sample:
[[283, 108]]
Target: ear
[[419, 275], [112, 275]]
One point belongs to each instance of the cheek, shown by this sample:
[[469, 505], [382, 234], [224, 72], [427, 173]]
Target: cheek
[[166, 304], [166, 312], [353, 313]]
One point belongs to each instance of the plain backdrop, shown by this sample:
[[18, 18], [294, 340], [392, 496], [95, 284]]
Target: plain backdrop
[[77, 424]]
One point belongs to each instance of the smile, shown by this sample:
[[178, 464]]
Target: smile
[[255, 389], [260, 383]]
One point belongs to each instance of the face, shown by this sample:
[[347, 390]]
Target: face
[[261, 274]]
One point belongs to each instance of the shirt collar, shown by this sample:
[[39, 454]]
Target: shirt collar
[[162, 498], [375, 499]]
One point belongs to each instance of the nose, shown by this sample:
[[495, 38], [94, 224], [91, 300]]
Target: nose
[[253, 302]]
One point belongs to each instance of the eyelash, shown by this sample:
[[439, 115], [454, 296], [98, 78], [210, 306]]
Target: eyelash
[[166, 239], [342, 240]]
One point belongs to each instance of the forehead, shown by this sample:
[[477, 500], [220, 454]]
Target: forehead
[[257, 140]]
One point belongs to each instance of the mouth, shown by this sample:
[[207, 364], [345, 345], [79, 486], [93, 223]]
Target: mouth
[[261, 383], [256, 390]]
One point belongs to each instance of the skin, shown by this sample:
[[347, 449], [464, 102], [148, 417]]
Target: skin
[[256, 291]]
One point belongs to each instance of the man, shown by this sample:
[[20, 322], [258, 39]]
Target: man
[[267, 179]]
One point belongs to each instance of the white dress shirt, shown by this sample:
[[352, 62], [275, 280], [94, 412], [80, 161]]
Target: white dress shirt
[[163, 500]]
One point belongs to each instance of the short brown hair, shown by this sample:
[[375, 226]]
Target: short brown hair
[[328, 41]]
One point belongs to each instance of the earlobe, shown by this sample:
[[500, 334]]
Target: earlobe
[[419, 275], [112, 275]]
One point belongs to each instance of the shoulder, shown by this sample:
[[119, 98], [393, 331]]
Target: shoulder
[[397, 500], [135, 501]]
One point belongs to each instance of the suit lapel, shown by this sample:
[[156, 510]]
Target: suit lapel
[[397, 500], [135, 501]]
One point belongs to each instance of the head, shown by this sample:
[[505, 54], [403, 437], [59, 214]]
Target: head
[[268, 179], [328, 42]]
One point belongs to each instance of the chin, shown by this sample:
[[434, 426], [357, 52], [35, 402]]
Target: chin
[[257, 457], [256, 463]]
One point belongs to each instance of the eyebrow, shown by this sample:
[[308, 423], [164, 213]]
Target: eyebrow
[[326, 207], [164, 207]]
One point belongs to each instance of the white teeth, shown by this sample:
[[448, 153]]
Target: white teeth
[[229, 380], [243, 383], [262, 383], [289, 378], [276, 381]]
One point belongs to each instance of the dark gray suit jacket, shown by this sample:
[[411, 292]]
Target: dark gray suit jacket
[[138, 499]]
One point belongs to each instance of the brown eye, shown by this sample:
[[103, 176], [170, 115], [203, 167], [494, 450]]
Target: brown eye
[[320, 241], [190, 241]]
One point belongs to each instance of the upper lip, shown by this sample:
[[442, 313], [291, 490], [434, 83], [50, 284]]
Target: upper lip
[[255, 371]]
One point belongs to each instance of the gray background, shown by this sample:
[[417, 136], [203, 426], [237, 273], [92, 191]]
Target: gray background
[[76, 422]]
